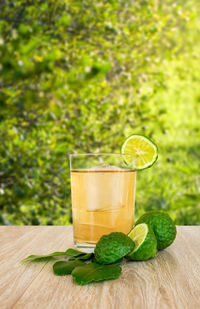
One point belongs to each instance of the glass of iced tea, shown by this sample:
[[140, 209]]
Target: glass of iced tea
[[103, 196]]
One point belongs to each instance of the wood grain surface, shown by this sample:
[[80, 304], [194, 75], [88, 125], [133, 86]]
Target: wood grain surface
[[171, 280]]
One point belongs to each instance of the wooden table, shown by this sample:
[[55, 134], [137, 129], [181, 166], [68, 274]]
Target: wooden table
[[171, 280]]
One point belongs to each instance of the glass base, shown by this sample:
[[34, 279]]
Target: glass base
[[88, 248]]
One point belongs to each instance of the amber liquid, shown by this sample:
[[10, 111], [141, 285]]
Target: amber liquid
[[102, 202]]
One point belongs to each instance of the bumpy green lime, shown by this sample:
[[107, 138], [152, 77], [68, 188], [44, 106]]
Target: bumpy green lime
[[145, 243], [112, 247], [162, 225]]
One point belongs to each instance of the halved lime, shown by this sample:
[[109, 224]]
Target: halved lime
[[145, 243], [162, 225], [139, 152]]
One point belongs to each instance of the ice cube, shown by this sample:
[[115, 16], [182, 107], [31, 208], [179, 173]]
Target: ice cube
[[104, 191]]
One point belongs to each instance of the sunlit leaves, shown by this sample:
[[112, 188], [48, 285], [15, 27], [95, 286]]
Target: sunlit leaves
[[82, 75]]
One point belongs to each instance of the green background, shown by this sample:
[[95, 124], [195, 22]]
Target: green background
[[80, 76]]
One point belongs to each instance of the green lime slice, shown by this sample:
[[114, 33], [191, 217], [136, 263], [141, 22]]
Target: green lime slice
[[138, 235], [145, 243], [139, 152]]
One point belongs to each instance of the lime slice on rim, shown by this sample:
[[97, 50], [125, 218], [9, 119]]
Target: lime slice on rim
[[145, 243], [139, 152]]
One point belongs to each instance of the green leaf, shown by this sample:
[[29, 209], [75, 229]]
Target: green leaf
[[42, 259], [62, 268], [79, 254], [73, 252], [69, 252], [95, 272], [51, 255], [64, 20]]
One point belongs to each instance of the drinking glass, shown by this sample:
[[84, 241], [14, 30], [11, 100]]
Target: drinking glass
[[103, 196]]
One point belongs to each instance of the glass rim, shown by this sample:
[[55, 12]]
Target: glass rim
[[73, 157]]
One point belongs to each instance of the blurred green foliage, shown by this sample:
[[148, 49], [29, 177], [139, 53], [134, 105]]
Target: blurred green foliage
[[80, 76]]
